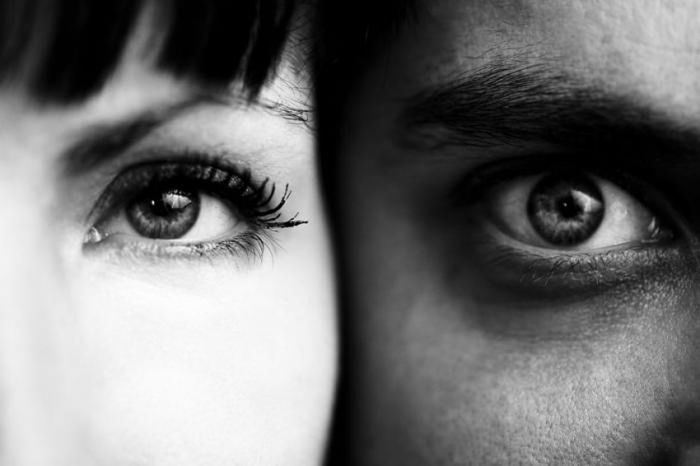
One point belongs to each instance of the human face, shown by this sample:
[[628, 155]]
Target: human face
[[160, 304], [520, 226]]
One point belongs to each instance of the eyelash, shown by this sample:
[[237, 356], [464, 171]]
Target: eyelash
[[558, 271], [632, 179], [254, 201], [562, 274]]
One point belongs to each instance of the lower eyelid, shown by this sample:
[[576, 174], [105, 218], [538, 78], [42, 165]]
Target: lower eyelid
[[249, 245], [547, 274]]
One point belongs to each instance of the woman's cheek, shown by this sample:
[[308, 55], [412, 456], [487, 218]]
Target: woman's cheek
[[205, 364]]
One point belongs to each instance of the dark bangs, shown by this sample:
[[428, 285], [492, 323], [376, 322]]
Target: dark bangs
[[351, 33], [63, 51], [350, 36]]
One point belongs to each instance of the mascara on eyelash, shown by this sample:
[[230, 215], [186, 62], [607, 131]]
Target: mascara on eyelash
[[253, 201], [235, 185]]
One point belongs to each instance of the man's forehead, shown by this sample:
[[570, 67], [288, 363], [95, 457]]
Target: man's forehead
[[558, 24], [649, 48], [643, 14]]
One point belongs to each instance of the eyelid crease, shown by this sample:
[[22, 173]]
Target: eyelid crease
[[101, 143], [158, 158]]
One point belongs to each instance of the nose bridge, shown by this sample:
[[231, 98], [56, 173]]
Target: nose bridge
[[34, 349]]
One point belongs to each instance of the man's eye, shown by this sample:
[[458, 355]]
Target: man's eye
[[175, 213], [571, 211]]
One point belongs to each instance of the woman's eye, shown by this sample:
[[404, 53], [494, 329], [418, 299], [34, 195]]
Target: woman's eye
[[187, 208], [174, 213], [571, 211]]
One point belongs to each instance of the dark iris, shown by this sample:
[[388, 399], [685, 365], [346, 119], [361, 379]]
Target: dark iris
[[164, 214], [565, 209]]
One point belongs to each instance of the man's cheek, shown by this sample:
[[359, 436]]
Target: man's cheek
[[588, 380]]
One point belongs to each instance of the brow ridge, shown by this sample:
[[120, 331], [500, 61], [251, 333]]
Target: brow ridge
[[510, 104]]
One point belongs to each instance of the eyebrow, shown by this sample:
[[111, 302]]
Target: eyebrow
[[511, 104], [102, 143]]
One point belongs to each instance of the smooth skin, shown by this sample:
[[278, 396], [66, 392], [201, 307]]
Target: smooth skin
[[114, 358]]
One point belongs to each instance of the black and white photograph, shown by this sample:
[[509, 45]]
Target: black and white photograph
[[349, 232]]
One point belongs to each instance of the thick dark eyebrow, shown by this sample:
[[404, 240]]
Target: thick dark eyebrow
[[508, 104], [102, 143]]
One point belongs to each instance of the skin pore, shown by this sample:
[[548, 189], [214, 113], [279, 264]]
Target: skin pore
[[120, 344], [490, 321]]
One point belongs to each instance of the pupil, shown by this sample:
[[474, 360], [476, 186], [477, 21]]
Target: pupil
[[568, 207], [164, 214], [565, 209], [169, 203]]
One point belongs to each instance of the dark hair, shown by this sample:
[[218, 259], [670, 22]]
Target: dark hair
[[350, 34], [64, 51]]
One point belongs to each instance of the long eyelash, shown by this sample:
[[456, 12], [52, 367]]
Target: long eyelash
[[268, 217], [256, 198], [253, 200]]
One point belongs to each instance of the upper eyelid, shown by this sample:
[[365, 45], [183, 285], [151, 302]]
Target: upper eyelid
[[637, 181], [192, 159], [256, 198], [510, 168]]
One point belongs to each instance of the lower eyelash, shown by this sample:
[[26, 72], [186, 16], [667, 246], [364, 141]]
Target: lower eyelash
[[567, 274], [249, 245]]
